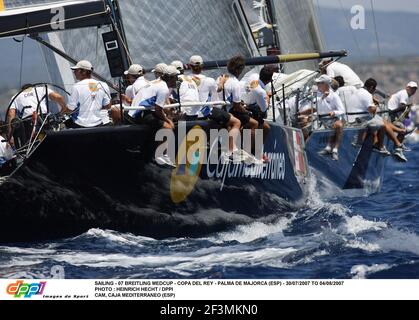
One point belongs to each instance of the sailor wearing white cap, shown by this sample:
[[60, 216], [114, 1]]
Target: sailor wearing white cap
[[135, 77], [179, 66], [207, 88], [402, 99], [400, 105], [26, 104], [159, 70], [136, 73], [154, 96], [330, 107], [88, 98], [186, 91]]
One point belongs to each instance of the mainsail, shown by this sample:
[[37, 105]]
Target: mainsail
[[162, 31], [55, 21], [297, 29]]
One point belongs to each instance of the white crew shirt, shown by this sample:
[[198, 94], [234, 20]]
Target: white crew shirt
[[30, 98], [256, 93], [140, 83], [331, 103], [337, 69], [155, 93], [346, 93], [6, 151], [87, 100], [233, 90], [129, 92], [207, 88], [359, 103], [401, 97], [188, 92]]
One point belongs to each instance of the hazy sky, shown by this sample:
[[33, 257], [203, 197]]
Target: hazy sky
[[385, 5]]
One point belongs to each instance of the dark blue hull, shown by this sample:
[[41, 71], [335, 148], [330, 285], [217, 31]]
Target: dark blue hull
[[106, 178], [358, 167]]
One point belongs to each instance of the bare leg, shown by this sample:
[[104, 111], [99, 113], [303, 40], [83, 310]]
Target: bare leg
[[252, 125], [266, 131], [234, 131], [338, 133], [380, 136], [116, 115], [391, 134]]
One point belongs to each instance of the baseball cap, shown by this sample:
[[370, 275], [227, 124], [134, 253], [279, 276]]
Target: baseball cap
[[160, 68], [412, 84], [196, 61], [171, 71], [134, 70], [324, 79], [178, 65], [83, 65]]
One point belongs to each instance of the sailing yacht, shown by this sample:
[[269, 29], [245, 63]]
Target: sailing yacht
[[69, 181]]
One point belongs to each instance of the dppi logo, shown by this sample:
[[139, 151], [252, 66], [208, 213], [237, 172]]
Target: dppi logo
[[20, 289]]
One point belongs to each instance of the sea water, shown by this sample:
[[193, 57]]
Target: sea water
[[333, 236]]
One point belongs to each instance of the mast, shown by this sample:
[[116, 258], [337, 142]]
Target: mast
[[270, 9]]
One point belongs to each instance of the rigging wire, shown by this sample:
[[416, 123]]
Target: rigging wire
[[320, 15], [375, 28], [22, 53], [97, 47]]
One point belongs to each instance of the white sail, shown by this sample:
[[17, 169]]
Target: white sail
[[162, 31], [298, 30], [24, 17]]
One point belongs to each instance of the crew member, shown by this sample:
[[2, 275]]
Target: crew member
[[400, 105], [88, 98], [159, 70], [362, 102], [25, 105], [187, 91], [179, 66], [136, 79], [257, 99], [153, 97], [330, 106], [345, 93], [207, 86], [334, 69], [233, 92], [6, 151], [207, 89]]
